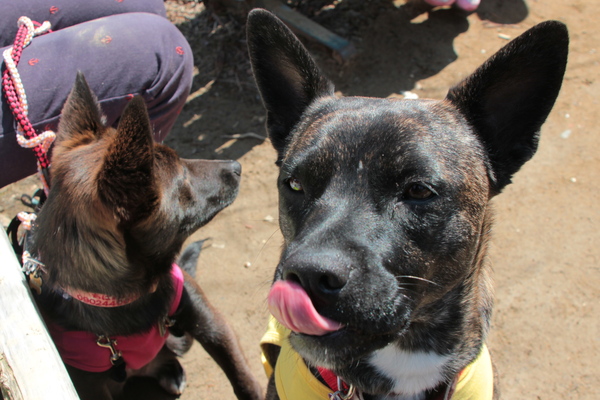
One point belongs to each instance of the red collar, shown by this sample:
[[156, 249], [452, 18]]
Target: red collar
[[103, 300], [442, 392], [331, 379], [98, 299]]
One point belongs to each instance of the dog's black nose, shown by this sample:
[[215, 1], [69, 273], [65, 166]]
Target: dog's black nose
[[316, 281], [231, 171], [236, 168], [322, 274], [231, 167]]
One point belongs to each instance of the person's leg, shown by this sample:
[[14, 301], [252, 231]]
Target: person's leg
[[64, 13], [120, 56]]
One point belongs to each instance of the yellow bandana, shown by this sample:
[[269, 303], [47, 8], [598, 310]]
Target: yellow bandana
[[294, 381]]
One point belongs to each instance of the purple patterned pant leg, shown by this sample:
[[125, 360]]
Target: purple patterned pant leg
[[121, 56]]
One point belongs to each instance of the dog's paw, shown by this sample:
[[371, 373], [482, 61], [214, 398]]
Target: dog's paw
[[171, 377]]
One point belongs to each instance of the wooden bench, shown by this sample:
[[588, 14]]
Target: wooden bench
[[30, 367]]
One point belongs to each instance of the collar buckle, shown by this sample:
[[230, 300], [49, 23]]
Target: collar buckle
[[33, 269]]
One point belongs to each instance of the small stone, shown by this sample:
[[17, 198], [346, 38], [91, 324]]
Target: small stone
[[409, 95]]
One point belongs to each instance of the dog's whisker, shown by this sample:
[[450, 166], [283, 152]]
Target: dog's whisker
[[266, 242], [405, 297], [418, 278], [406, 290]]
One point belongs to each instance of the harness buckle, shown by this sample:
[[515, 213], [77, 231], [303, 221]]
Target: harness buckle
[[115, 355]]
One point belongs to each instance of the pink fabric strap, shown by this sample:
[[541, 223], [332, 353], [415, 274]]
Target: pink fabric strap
[[98, 299], [79, 349]]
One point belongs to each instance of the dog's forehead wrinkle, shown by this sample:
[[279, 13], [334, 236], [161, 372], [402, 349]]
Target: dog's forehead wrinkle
[[346, 133]]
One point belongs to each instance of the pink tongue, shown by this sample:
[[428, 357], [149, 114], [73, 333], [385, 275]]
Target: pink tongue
[[290, 305]]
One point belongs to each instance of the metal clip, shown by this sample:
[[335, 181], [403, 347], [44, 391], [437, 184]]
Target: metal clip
[[33, 269], [342, 394], [105, 341], [165, 324], [31, 265]]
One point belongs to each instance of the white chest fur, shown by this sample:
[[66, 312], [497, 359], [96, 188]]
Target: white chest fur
[[412, 372]]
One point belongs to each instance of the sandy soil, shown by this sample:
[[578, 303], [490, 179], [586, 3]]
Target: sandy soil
[[546, 330]]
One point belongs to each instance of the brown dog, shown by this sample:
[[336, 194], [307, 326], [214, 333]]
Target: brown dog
[[119, 210], [383, 290]]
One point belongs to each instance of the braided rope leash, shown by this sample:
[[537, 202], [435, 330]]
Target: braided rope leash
[[26, 219], [17, 99]]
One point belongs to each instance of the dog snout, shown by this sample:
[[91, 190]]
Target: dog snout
[[225, 168], [323, 275]]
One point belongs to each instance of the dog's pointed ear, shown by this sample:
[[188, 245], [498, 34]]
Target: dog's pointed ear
[[81, 116], [126, 181], [508, 98], [287, 77]]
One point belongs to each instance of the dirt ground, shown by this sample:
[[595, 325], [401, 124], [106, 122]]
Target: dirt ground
[[546, 330]]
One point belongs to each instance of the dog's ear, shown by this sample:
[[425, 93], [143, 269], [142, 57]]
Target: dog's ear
[[508, 98], [287, 77], [81, 115], [125, 181]]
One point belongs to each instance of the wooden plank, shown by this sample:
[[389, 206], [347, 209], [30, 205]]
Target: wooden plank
[[30, 367], [307, 27]]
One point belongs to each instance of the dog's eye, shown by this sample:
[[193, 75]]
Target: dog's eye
[[419, 191], [295, 184]]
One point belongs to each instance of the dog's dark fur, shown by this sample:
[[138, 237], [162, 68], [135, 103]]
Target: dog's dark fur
[[387, 223], [119, 210]]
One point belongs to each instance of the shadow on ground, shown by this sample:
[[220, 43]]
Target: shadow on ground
[[398, 45]]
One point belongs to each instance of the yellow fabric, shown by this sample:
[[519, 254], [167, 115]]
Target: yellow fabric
[[293, 378], [476, 381], [294, 381]]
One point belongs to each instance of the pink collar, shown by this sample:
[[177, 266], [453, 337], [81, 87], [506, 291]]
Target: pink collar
[[103, 300], [79, 349], [98, 299]]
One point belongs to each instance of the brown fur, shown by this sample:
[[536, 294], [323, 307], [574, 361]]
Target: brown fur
[[119, 210]]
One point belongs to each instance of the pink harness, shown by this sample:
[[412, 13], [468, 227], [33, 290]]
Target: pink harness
[[79, 349]]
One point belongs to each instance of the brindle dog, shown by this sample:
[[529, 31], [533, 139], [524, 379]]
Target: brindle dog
[[385, 210], [119, 210]]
